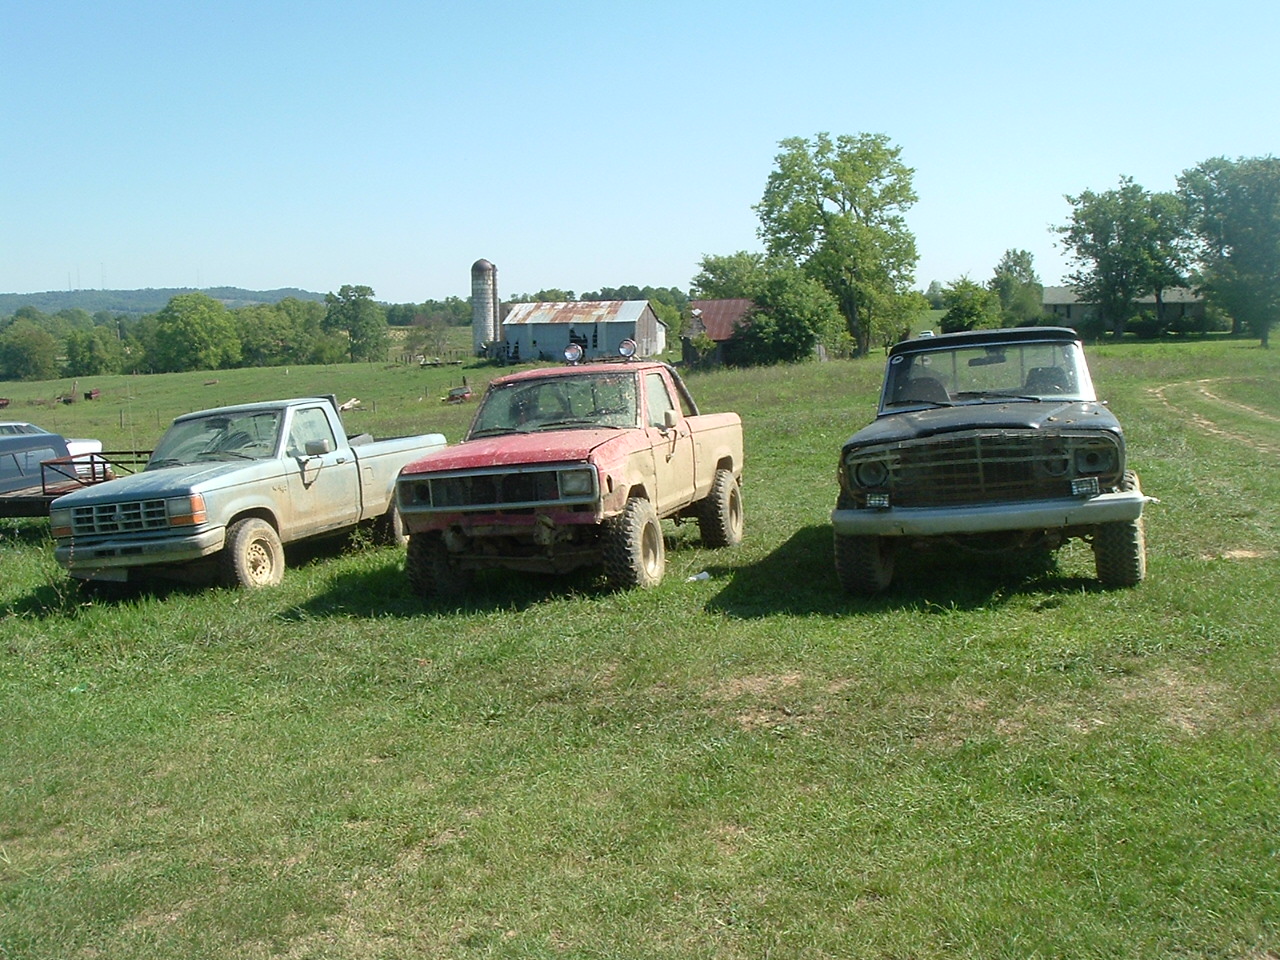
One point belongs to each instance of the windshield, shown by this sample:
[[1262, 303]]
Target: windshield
[[581, 401], [985, 373], [240, 436]]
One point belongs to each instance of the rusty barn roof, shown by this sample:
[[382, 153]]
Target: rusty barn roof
[[720, 317], [578, 312]]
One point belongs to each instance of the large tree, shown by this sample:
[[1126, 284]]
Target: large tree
[[794, 312], [1234, 211], [835, 208], [28, 352], [1126, 243], [353, 310], [1018, 288], [194, 332], [734, 276], [969, 306]]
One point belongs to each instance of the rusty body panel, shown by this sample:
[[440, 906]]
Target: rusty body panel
[[554, 454]]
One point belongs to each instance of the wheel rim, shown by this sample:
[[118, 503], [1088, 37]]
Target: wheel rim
[[735, 511], [259, 562], [650, 548]]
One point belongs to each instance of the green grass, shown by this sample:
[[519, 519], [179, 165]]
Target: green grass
[[985, 762]]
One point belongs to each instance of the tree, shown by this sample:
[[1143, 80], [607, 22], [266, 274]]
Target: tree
[[1234, 213], [934, 295], [353, 311], [92, 353], [1127, 244], [835, 208], [735, 276], [794, 312], [28, 352], [194, 332], [969, 306], [1018, 289]]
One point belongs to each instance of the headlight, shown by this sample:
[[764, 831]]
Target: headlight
[[186, 511], [1095, 460], [60, 522], [872, 473], [577, 483]]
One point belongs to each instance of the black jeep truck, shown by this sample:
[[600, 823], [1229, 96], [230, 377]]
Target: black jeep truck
[[990, 440]]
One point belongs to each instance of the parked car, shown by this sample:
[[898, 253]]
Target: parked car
[[573, 466], [24, 447], [226, 488], [994, 441]]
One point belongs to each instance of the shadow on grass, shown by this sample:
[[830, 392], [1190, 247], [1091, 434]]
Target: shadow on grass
[[386, 591], [63, 595], [799, 578]]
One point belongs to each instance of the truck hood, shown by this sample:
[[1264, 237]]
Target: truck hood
[[167, 482], [1018, 415], [552, 446]]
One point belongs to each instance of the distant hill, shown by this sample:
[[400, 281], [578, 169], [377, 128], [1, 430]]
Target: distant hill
[[139, 302]]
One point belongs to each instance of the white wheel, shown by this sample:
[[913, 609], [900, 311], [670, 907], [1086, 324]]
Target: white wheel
[[634, 552], [252, 556]]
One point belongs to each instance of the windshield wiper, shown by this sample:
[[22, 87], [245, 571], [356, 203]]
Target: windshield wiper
[[576, 422], [997, 395], [912, 403]]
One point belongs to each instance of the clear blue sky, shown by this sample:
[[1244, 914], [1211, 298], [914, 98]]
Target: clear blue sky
[[266, 144]]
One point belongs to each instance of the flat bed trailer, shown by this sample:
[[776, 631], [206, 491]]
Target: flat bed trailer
[[63, 475]]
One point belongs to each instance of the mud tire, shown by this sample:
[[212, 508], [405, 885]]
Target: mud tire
[[433, 574], [720, 515], [1120, 549], [252, 556], [864, 565], [388, 529], [635, 555]]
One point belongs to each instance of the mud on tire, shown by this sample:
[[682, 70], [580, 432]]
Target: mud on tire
[[864, 565], [1120, 549], [720, 516], [634, 552], [433, 574], [252, 556]]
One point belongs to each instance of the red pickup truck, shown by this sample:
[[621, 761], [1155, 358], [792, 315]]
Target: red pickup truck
[[573, 466]]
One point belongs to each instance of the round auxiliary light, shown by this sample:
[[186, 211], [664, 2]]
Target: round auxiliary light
[[627, 348], [573, 352]]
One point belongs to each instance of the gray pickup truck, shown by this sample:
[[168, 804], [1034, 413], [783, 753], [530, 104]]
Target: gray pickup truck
[[226, 488]]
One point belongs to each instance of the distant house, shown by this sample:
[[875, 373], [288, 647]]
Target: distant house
[[718, 319], [533, 331], [1179, 305]]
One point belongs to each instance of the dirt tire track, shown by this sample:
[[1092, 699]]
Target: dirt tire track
[[1205, 425]]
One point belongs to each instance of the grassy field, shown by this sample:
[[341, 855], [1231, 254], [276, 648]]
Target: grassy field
[[985, 762]]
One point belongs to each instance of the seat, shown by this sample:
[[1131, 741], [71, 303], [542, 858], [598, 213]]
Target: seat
[[1050, 380], [924, 390]]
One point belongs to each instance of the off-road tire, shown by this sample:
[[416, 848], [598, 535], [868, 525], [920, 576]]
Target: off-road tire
[[634, 552], [252, 556], [1120, 548], [864, 565], [388, 529], [433, 574], [720, 516]]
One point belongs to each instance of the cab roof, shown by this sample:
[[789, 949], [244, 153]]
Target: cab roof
[[971, 338]]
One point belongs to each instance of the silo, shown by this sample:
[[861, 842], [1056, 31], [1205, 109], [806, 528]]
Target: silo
[[484, 305]]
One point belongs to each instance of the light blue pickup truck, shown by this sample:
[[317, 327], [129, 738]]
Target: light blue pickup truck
[[226, 488]]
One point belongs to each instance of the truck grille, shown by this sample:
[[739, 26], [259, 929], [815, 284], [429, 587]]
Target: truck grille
[[112, 518], [976, 467], [489, 490]]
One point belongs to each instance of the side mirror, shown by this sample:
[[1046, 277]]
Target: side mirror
[[318, 448], [669, 420]]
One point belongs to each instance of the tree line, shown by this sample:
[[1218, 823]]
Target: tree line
[[838, 263], [196, 331]]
